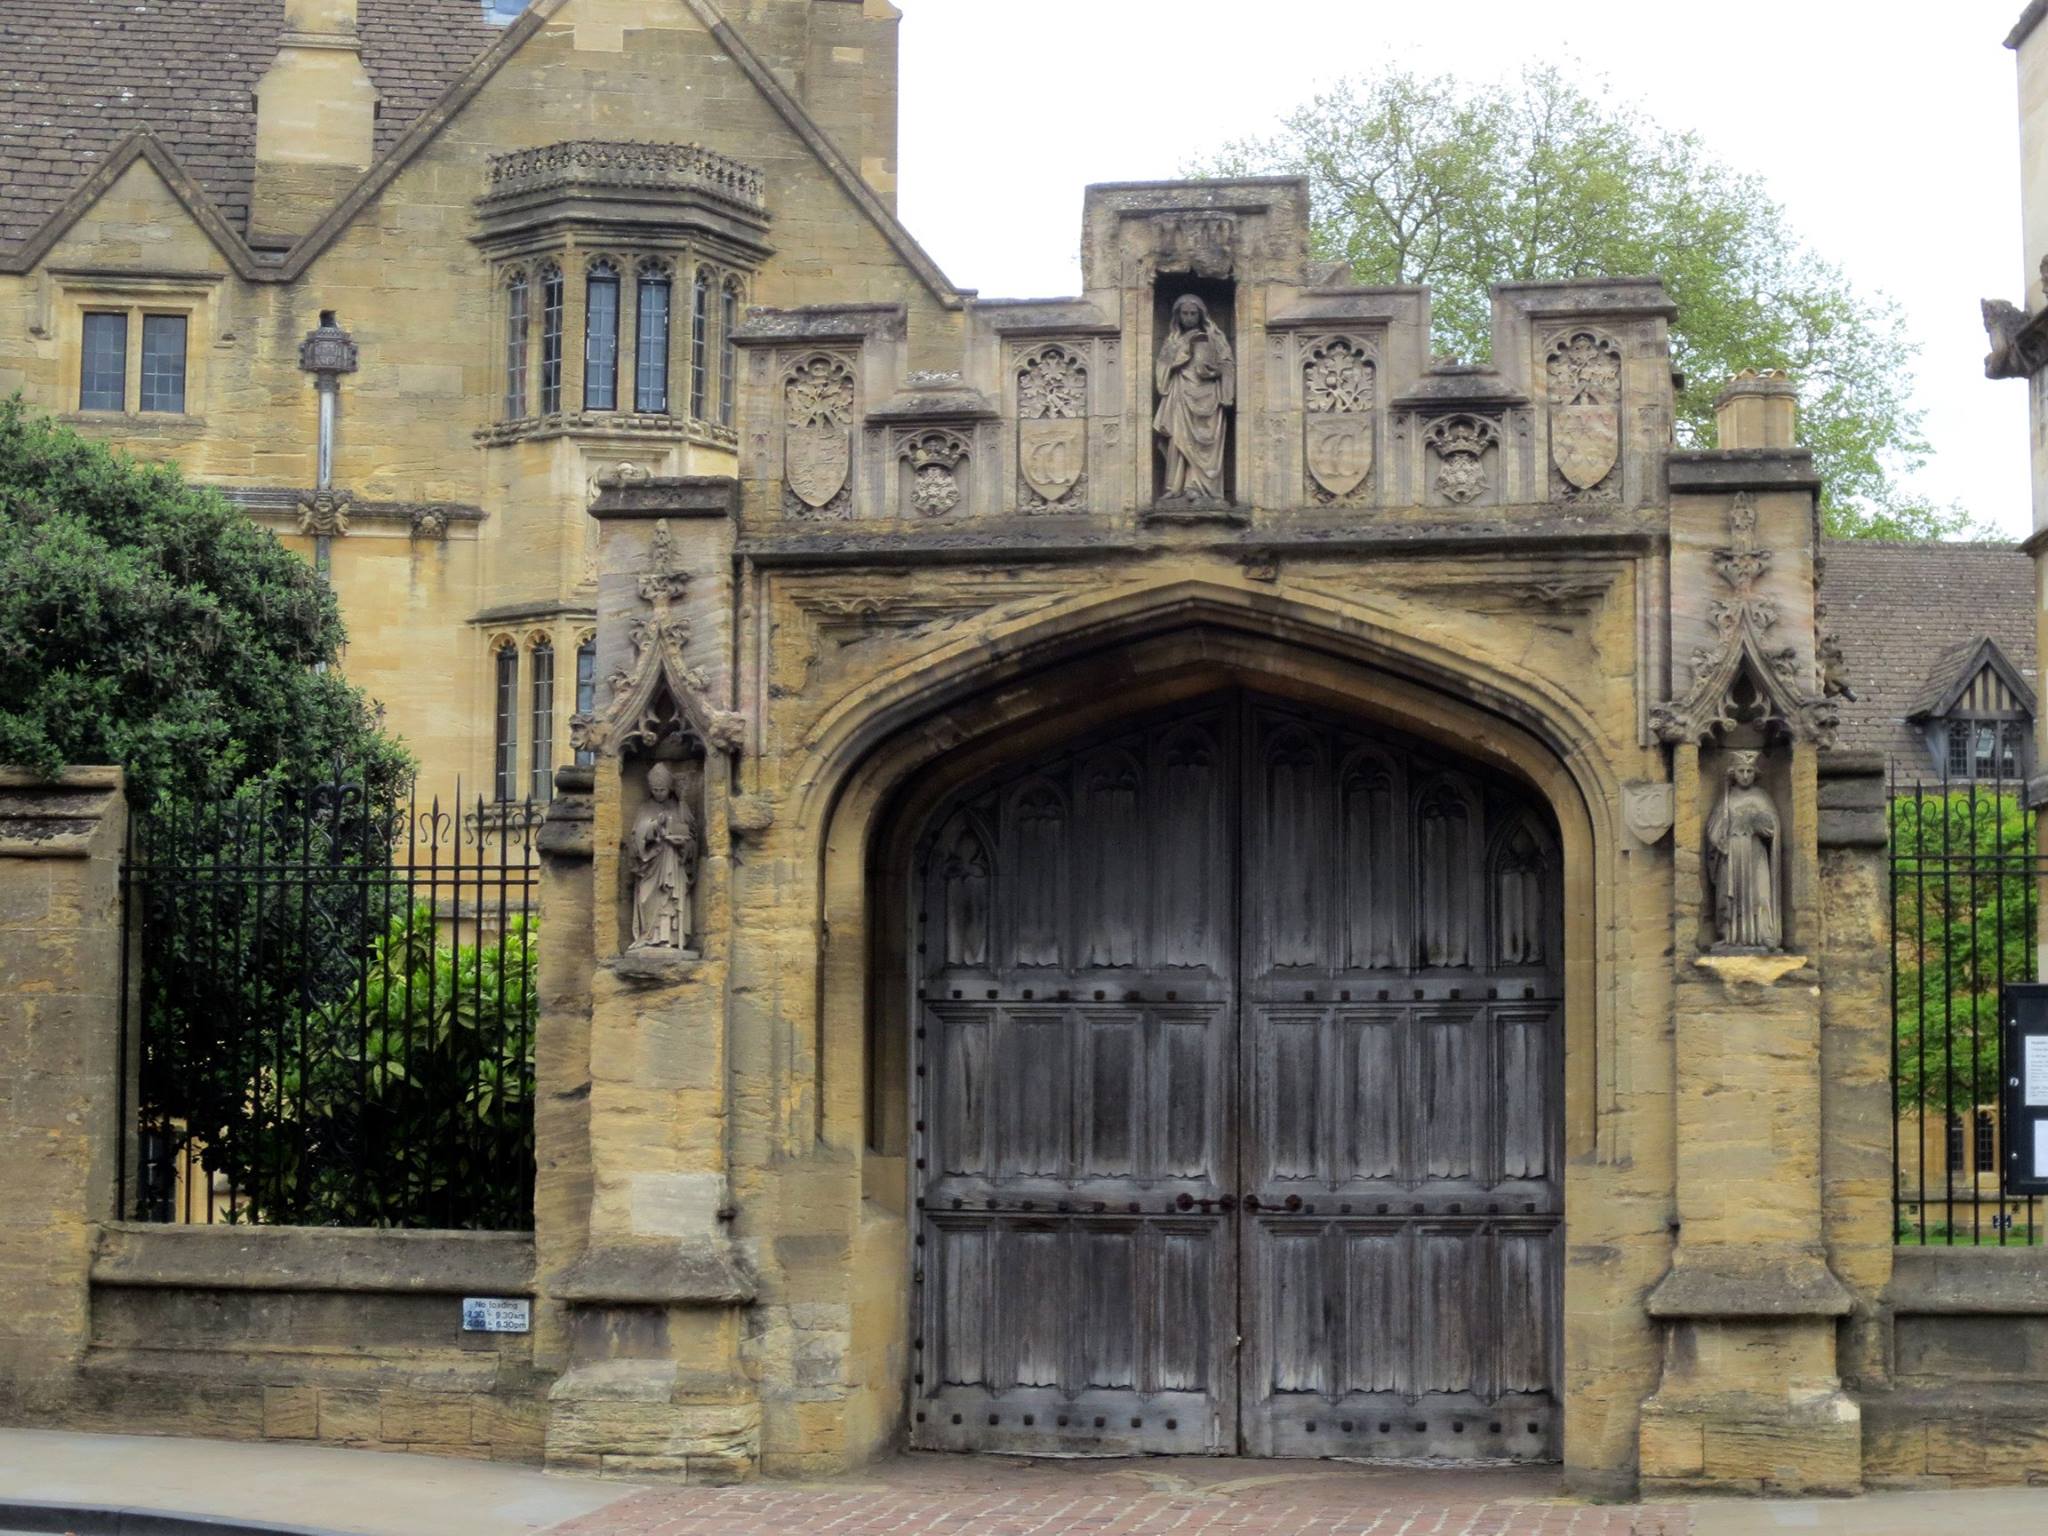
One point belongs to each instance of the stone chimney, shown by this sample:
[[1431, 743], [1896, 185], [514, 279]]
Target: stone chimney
[[316, 118], [1758, 410]]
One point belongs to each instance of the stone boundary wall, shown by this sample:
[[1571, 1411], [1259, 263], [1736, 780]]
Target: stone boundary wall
[[345, 1336], [1968, 1403]]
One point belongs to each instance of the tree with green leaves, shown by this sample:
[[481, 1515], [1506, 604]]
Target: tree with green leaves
[[1434, 181], [147, 622]]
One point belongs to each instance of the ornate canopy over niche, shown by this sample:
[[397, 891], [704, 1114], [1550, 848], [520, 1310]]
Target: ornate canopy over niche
[[1744, 675], [661, 697]]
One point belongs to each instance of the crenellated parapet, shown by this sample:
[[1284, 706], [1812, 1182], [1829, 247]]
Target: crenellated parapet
[[1211, 374]]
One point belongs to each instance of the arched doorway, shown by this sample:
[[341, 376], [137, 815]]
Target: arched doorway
[[1237, 1097]]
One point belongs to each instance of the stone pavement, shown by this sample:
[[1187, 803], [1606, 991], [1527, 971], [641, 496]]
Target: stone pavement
[[366, 1493]]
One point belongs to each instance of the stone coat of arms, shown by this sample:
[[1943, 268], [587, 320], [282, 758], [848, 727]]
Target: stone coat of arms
[[1337, 399], [1585, 408], [818, 451]]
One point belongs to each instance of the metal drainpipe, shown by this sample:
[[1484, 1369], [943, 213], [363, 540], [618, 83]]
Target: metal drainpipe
[[327, 353]]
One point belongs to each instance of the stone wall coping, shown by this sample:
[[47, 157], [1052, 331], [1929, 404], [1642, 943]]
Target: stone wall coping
[[675, 1272], [824, 322], [55, 817], [1741, 469], [1032, 540], [668, 496], [1750, 1283], [145, 1255], [1961, 1282]]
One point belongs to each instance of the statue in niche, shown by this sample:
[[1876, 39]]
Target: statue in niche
[[663, 848], [1744, 859], [1197, 382]]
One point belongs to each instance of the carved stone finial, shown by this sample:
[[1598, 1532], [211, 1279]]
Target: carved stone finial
[[660, 696], [1742, 625]]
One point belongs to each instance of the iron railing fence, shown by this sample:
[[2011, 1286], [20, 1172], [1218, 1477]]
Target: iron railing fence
[[334, 1010], [1966, 871]]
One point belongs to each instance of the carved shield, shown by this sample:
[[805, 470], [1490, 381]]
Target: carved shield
[[819, 458], [1585, 440], [1051, 454], [1340, 451]]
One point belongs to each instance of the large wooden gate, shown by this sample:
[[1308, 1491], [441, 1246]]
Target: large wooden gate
[[1237, 1100]]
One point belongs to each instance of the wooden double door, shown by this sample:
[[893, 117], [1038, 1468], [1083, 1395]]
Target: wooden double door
[[1237, 1100]]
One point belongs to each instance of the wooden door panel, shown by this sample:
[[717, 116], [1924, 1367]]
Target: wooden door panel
[[1074, 1104], [1405, 1065], [1237, 1100]]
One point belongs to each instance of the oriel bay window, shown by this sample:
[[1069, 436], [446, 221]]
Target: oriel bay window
[[650, 340], [551, 294], [601, 339]]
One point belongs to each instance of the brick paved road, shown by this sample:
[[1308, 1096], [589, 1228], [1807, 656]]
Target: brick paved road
[[977, 1496]]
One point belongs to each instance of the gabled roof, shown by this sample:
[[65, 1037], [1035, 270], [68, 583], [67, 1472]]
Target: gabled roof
[[78, 78], [178, 77], [1910, 618], [1958, 666]]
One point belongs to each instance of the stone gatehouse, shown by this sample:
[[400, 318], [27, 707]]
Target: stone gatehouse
[[1156, 871]]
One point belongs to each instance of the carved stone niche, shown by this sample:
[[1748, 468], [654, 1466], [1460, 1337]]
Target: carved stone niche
[[1052, 427], [1339, 396], [662, 811], [1194, 399], [818, 393], [1744, 847]]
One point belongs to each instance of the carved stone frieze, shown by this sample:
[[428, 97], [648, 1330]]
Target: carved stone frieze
[[818, 396], [660, 696], [1338, 388], [1459, 445], [1583, 369], [1744, 649]]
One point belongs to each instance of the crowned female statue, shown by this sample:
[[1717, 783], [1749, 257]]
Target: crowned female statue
[[663, 848], [1197, 382], [1744, 862]]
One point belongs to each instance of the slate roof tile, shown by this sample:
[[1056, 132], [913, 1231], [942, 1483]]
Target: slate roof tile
[[78, 76], [1904, 612]]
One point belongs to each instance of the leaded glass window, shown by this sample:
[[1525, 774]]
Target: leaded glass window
[[551, 340], [650, 342], [103, 363], [601, 339], [541, 661], [505, 762], [163, 363], [518, 321], [728, 351], [586, 691], [700, 342]]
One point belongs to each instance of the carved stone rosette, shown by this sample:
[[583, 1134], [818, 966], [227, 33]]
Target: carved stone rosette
[[1052, 429], [818, 396], [1583, 369], [1338, 388], [1744, 647], [660, 696]]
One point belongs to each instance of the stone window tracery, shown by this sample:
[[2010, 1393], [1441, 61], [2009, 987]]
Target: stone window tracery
[[505, 741], [541, 687], [728, 350]]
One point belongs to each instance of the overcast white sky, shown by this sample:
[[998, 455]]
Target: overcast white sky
[[1887, 128]]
